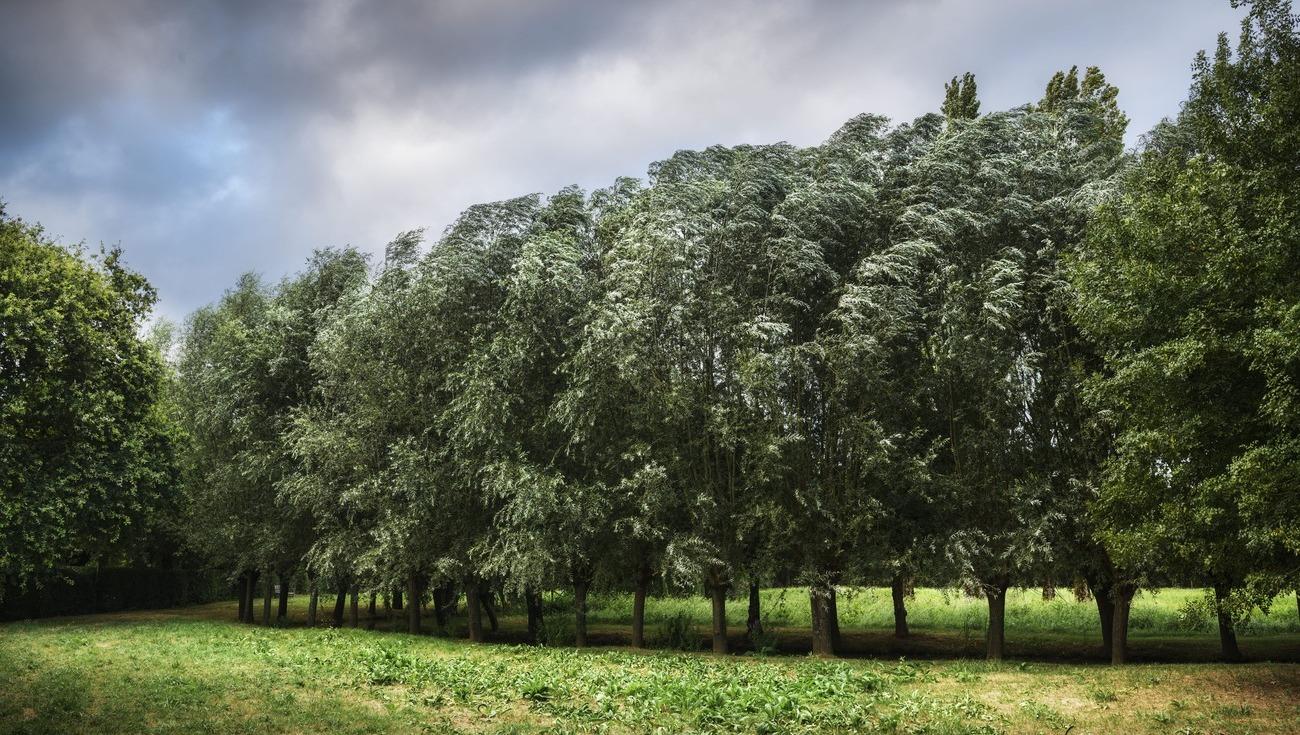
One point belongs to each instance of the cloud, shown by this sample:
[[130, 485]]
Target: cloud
[[209, 138]]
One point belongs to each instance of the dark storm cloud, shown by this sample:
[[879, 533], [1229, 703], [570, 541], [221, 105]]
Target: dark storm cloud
[[213, 137]]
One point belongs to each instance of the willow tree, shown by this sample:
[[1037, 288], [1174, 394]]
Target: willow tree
[[801, 448], [244, 371], [988, 210], [551, 519]]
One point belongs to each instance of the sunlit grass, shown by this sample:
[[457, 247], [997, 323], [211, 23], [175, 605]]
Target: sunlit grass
[[195, 670]]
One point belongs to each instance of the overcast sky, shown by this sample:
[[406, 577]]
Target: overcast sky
[[212, 138]]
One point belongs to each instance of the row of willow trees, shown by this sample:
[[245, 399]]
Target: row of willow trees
[[984, 348]]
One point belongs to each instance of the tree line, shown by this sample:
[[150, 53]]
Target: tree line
[[990, 349]]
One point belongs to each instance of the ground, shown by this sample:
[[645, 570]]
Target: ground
[[196, 670]]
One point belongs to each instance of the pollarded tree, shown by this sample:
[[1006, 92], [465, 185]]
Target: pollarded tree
[[991, 205], [552, 519], [85, 444], [799, 448], [1188, 284], [667, 337], [244, 372], [222, 375], [354, 441]]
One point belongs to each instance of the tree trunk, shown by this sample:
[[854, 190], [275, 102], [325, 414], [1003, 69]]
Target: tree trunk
[[1227, 634], [352, 612], [754, 615], [899, 591], [638, 606], [823, 637], [1297, 602], [250, 593], [1101, 592], [340, 602], [485, 599], [835, 619], [413, 609], [718, 591], [1120, 608], [312, 603], [533, 600], [580, 587], [266, 599], [397, 598], [371, 610], [440, 602], [473, 610], [282, 609], [243, 596], [997, 634]]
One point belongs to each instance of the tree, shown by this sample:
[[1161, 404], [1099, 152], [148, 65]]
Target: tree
[[245, 371], [1188, 284], [86, 442], [961, 99]]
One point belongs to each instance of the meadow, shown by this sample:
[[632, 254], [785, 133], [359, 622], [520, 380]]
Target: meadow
[[196, 670]]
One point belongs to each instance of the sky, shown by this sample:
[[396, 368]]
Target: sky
[[209, 138]]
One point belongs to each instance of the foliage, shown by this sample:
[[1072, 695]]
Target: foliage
[[87, 466], [1187, 283]]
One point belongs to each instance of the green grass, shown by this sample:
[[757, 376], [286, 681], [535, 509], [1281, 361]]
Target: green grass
[[1160, 612], [195, 670]]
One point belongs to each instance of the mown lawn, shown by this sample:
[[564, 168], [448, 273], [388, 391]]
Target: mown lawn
[[194, 670]]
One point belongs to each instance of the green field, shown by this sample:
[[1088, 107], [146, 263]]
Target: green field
[[195, 670]]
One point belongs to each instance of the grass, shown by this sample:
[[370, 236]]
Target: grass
[[195, 670]]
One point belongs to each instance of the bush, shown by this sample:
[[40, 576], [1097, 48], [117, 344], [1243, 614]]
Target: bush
[[678, 632]]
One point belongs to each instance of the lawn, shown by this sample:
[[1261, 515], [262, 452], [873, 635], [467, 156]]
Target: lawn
[[195, 670]]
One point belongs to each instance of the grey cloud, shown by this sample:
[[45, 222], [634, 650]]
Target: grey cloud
[[213, 137]]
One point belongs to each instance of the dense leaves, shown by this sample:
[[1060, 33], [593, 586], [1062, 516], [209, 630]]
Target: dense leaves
[[87, 467]]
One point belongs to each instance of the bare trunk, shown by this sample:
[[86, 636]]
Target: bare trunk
[[754, 615], [243, 596], [1101, 592], [997, 634], [252, 595], [638, 606], [1227, 634], [266, 599], [282, 609], [835, 619], [1297, 602], [580, 586], [413, 609], [1120, 608], [823, 636], [397, 598], [718, 592], [373, 596], [312, 604], [340, 601], [533, 600], [899, 592], [485, 599], [352, 609], [440, 603], [473, 610]]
